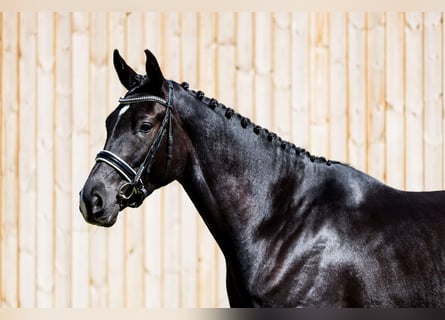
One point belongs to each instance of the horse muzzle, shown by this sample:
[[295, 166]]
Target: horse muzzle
[[94, 210]]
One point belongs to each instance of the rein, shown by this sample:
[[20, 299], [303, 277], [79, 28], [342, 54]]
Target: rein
[[133, 192]]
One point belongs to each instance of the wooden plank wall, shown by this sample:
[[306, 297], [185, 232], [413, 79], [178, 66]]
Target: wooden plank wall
[[364, 88]]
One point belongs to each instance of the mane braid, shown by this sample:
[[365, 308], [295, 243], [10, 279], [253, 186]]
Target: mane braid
[[245, 122]]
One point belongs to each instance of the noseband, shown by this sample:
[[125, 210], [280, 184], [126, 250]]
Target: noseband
[[133, 192]]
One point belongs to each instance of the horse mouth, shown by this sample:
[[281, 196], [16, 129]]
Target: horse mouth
[[103, 221], [106, 221]]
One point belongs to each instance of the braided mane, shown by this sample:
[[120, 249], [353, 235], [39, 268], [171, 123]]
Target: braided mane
[[244, 122]]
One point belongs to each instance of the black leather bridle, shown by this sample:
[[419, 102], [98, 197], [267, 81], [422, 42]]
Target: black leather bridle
[[133, 192]]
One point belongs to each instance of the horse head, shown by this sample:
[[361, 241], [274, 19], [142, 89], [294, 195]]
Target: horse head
[[138, 155]]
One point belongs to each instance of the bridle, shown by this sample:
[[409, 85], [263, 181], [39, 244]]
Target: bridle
[[133, 192]]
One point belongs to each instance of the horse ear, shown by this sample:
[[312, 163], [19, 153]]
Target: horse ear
[[154, 73], [125, 73]]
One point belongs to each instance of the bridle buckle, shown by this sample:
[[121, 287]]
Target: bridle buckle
[[131, 195], [126, 191]]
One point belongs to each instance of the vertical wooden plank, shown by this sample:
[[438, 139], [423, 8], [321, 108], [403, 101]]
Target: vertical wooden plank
[[27, 161], [318, 64], [153, 33], [172, 194], [115, 251], [282, 74], [207, 53], [433, 133], [189, 216], [244, 74], [413, 152], [225, 56], [45, 153], [133, 217], [10, 150], [375, 94], [395, 128], [338, 133], [152, 243], [263, 69], [63, 161], [2, 160], [97, 113], [80, 156], [300, 77], [356, 90], [206, 246]]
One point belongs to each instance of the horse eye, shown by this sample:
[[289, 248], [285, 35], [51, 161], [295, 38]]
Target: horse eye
[[146, 127]]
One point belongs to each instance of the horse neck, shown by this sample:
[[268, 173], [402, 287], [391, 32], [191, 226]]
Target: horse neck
[[232, 174]]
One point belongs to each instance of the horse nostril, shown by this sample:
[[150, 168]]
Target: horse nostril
[[97, 204]]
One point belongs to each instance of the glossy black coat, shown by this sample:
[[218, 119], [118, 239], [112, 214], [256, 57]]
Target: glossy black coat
[[295, 230]]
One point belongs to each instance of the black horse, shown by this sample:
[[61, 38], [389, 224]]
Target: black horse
[[296, 230]]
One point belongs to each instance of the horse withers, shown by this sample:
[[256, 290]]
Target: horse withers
[[296, 230]]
